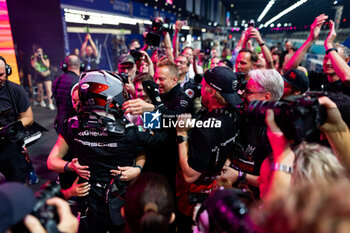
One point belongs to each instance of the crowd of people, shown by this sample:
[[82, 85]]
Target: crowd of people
[[248, 141]]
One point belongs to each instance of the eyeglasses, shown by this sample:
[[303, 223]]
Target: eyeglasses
[[181, 62], [247, 92]]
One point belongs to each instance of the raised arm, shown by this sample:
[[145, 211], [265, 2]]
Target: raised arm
[[337, 132], [315, 30], [83, 46], [149, 61], [168, 46], [178, 26], [93, 46], [46, 61], [283, 156], [254, 33], [340, 65]]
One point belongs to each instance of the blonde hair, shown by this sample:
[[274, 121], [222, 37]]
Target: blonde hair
[[314, 162]]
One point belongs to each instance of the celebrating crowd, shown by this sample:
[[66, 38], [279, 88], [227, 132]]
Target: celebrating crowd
[[172, 141]]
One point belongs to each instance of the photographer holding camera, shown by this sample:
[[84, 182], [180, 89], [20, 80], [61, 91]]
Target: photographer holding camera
[[41, 65], [264, 85], [14, 106], [154, 35], [18, 203]]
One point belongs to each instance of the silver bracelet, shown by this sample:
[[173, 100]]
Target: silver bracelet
[[282, 167]]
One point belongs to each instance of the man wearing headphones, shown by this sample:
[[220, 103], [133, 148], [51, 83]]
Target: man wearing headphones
[[14, 106], [62, 92], [62, 87]]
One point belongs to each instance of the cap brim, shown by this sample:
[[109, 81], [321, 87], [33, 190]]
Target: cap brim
[[127, 62], [21, 200], [286, 80], [233, 98]]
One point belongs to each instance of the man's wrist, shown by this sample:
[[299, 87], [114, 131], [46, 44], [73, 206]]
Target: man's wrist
[[328, 50], [182, 133]]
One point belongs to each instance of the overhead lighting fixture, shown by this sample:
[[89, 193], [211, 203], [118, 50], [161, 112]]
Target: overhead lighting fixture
[[215, 24], [261, 26], [204, 30], [286, 11], [272, 25], [279, 25], [232, 5], [94, 18], [266, 9]]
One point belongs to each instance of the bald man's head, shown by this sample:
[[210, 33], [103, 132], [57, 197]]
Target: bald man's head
[[73, 62]]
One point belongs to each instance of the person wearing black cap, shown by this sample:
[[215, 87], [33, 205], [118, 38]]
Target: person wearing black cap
[[295, 83], [254, 147], [127, 65], [17, 202], [204, 150]]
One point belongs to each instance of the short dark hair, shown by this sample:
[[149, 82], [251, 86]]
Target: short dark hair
[[188, 63], [253, 55], [187, 47], [143, 77]]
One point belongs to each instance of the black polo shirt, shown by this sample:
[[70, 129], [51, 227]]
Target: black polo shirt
[[319, 82], [210, 147]]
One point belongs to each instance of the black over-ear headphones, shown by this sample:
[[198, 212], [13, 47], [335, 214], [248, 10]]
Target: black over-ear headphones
[[233, 201], [64, 65], [8, 69]]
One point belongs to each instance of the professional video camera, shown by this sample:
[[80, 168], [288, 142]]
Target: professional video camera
[[297, 116], [47, 215], [242, 82], [14, 132], [136, 54], [154, 33], [124, 77]]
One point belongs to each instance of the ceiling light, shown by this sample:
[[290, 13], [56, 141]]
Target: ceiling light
[[266, 9], [272, 25], [204, 30], [215, 24], [232, 5], [286, 11], [279, 25], [286, 24]]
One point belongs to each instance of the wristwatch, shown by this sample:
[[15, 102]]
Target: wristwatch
[[180, 139]]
